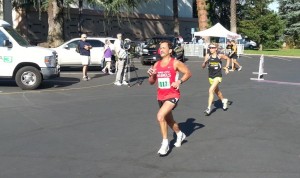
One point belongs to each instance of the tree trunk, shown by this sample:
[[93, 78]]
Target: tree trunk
[[55, 22], [233, 16], [175, 16], [79, 26], [202, 14]]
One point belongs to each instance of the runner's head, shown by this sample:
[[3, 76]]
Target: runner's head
[[212, 48], [166, 48], [83, 37]]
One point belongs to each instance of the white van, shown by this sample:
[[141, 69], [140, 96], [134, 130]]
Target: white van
[[27, 65]]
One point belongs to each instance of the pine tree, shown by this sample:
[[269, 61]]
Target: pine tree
[[289, 10]]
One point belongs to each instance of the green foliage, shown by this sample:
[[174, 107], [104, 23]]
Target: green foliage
[[275, 52], [219, 11], [289, 10], [265, 28]]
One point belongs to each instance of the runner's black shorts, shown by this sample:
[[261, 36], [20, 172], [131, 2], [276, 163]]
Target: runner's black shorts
[[172, 100]]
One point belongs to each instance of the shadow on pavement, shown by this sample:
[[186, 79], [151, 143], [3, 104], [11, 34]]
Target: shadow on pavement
[[188, 127], [8, 83], [219, 105], [59, 82]]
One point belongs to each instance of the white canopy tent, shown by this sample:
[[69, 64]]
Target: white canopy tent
[[218, 31]]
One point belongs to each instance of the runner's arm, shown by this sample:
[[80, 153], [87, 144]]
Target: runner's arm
[[222, 56], [152, 74], [205, 61], [181, 67]]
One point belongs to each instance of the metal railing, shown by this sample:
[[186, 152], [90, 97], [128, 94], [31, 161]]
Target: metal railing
[[198, 49], [194, 50]]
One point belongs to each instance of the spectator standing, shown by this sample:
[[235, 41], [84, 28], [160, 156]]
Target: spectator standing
[[107, 57], [165, 73], [85, 56], [121, 61]]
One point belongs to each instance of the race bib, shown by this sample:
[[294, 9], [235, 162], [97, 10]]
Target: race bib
[[164, 83]]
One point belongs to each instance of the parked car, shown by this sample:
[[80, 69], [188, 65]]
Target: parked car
[[248, 43], [149, 52], [67, 55]]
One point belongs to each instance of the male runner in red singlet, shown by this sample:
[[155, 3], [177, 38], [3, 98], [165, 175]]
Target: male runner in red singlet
[[166, 73]]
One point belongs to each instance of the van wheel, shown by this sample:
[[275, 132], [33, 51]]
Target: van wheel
[[28, 78]]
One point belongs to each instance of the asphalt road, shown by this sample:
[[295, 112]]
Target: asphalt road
[[70, 128]]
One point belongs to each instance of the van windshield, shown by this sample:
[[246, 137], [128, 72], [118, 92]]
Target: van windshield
[[19, 39]]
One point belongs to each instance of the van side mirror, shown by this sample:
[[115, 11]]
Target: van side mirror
[[7, 43], [66, 46]]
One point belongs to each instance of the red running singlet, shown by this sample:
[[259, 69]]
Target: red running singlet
[[166, 75]]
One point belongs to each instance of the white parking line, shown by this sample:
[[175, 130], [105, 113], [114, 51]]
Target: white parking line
[[280, 58], [280, 82], [55, 90]]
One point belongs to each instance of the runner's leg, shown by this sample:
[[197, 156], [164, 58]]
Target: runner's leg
[[165, 109]]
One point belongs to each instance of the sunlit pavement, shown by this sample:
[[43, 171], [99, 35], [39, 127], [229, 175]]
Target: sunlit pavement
[[72, 128]]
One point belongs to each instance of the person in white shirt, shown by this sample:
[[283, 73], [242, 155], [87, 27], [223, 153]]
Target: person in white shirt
[[120, 61]]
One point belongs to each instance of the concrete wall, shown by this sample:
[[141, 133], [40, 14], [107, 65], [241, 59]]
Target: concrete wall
[[165, 8], [158, 7]]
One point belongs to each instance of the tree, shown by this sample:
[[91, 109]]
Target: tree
[[202, 14], [233, 16], [55, 22], [263, 28], [289, 10]]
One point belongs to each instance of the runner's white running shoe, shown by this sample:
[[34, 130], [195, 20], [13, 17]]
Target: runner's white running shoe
[[163, 149], [180, 139], [240, 68], [207, 111], [124, 83], [118, 83], [225, 103]]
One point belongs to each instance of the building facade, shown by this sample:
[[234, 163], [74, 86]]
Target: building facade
[[155, 18]]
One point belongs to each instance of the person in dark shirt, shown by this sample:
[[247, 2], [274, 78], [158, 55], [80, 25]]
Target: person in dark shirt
[[85, 56], [214, 62]]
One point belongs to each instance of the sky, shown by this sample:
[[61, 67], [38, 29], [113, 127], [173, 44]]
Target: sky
[[274, 6]]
